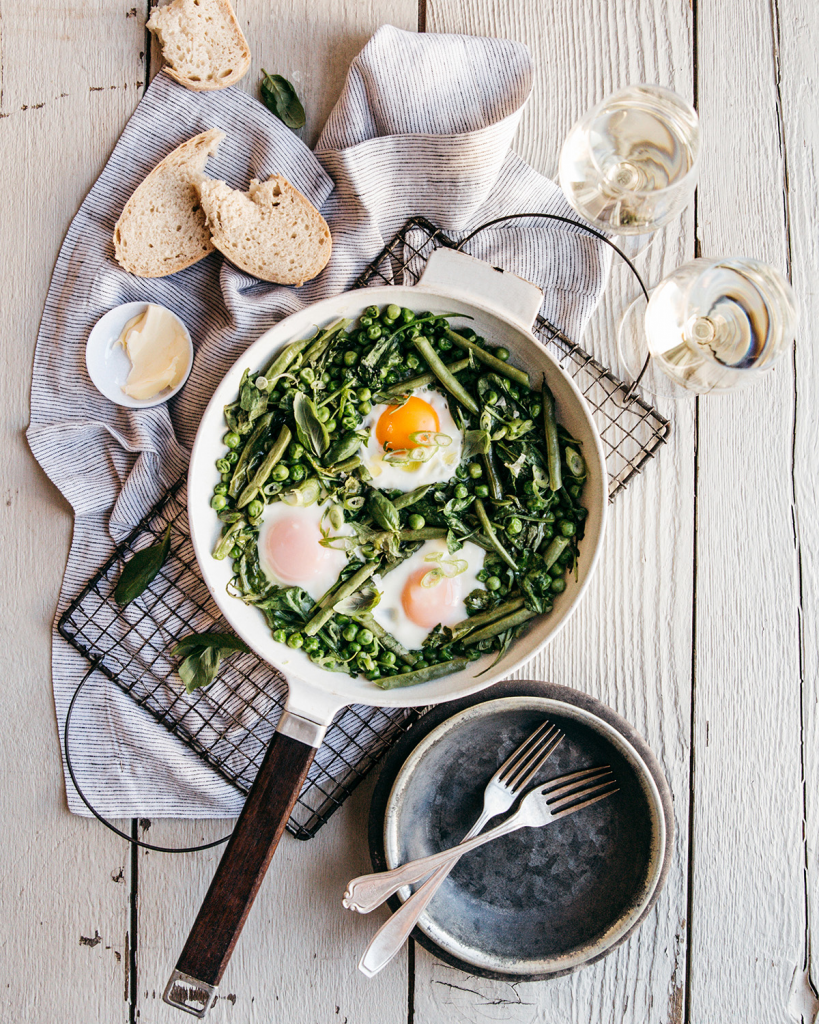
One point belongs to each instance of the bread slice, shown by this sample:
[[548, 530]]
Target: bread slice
[[162, 228], [271, 231], [202, 43]]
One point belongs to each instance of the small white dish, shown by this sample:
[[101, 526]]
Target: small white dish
[[109, 366]]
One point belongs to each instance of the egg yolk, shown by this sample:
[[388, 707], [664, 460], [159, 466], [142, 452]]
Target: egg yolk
[[427, 606], [293, 549], [397, 422]]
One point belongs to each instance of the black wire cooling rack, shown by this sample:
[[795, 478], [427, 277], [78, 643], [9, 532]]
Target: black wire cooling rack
[[230, 724]]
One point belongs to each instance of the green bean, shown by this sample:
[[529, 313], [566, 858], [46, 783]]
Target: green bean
[[333, 596], [405, 500], [225, 543], [552, 440], [460, 629], [422, 380], [319, 344], [422, 675], [348, 465], [449, 381], [285, 358], [500, 367], [555, 549], [490, 533], [240, 470], [500, 626], [491, 466], [265, 469], [425, 533]]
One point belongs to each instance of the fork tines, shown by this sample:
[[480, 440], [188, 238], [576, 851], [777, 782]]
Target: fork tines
[[571, 792], [526, 760]]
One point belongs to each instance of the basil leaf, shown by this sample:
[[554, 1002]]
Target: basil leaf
[[312, 432], [203, 653], [280, 98], [141, 570]]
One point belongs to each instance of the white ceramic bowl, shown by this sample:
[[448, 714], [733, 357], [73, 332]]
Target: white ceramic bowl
[[109, 366]]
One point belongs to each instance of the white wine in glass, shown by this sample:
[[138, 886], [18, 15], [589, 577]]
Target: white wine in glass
[[711, 325], [630, 165]]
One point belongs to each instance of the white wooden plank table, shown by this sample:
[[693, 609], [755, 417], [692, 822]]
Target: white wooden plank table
[[700, 626]]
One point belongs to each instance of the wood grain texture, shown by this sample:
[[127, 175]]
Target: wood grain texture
[[69, 77], [748, 788], [629, 643], [796, 34]]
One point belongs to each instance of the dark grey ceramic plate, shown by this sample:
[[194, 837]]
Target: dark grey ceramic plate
[[537, 903]]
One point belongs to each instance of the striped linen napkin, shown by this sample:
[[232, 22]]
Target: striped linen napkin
[[423, 127]]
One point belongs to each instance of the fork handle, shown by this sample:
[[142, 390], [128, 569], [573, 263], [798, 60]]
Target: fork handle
[[367, 892]]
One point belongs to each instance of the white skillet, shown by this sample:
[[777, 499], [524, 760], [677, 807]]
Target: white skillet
[[503, 308]]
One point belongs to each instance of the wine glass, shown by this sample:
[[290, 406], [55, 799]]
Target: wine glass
[[712, 324], [630, 165]]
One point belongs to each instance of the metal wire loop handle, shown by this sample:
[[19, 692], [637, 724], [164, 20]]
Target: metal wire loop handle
[[96, 813]]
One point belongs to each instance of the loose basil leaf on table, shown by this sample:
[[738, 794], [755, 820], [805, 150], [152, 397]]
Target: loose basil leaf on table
[[203, 653], [141, 570], [279, 96]]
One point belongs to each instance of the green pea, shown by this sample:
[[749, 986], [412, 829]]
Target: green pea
[[350, 357], [363, 394], [349, 421], [557, 570], [297, 472], [371, 311], [412, 361], [416, 521], [352, 649], [372, 676], [407, 315], [535, 409], [475, 470], [393, 311], [548, 531], [461, 472], [223, 465], [232, 439], [225, 477], [342, 620], [535, 504], [331, 425], [387, 659], [364, 408], [514, 526], [493, 583], [232, 457], [492, 397], [323, 414], [366, 321], [312, 644], [374, 332], [220, 489], [295, 452], [501, 353], [307, 374], [558, 586], [326, 377], [235, 552], [365, 663], [280, 472], [218, 502], [280, 636], [295, 640], [444, 344], [481, 575], [365, 637], [481, 491], [350, 632], [567, 528], [461, 492], [255, 508], [420, 663], [566, 557], [575, 490], [392, 377]]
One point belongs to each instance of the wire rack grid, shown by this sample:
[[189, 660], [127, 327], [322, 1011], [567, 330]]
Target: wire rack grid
[[230, 724]]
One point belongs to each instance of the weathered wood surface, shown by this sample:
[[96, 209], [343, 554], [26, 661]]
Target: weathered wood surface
[[700, 626]]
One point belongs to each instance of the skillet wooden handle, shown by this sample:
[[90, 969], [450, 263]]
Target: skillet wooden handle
[[240, 873]]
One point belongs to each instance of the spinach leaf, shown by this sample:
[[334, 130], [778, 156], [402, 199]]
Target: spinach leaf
[[383, 511], [141, 570], [280, 98], [203, 653], [312, 432]]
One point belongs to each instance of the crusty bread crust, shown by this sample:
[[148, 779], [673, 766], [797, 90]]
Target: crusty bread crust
[[162, 228], [202, 43], [271, 231]]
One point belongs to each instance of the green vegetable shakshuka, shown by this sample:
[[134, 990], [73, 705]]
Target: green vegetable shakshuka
[[397, 499]]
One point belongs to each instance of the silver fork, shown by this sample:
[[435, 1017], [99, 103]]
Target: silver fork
[[541, 806], [367, 892]]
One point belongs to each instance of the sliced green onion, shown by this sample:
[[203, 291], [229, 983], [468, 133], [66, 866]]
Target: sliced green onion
[[307, 494]]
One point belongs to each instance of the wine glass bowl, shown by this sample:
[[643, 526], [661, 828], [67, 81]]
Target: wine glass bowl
[[714, 324], [630, 164]]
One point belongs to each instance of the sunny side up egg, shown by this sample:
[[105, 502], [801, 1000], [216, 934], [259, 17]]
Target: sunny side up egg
[[396, 428], [291, 553], [412, 603]]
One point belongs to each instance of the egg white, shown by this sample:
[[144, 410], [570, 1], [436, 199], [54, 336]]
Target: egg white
[[439, 469], [333, 560], [389, 611]]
